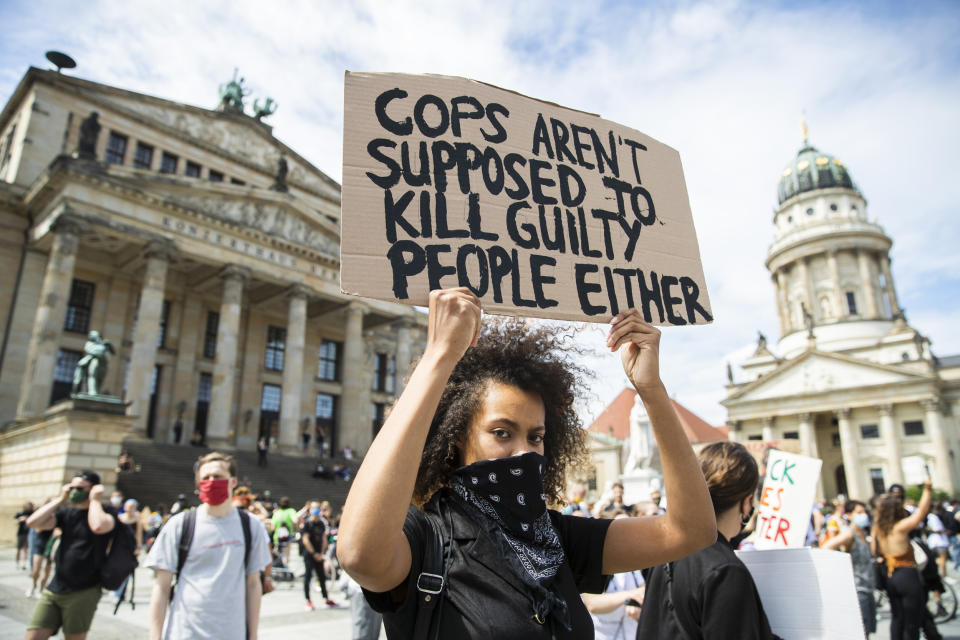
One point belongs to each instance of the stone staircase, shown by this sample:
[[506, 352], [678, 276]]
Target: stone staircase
[[166, 470]]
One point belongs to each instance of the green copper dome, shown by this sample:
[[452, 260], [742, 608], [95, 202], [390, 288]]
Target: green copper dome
[[811, 170]]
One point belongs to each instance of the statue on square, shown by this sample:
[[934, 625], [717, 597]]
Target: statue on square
[[92, 367], [641, 447], [642, 471]]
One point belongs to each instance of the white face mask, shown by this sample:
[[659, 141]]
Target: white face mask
[[115, 501], [861, 520]]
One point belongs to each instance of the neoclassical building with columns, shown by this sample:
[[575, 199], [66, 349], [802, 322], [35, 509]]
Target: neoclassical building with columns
[[850, 378], [206, 251]]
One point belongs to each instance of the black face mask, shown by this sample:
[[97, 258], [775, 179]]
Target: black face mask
[[505, 497]]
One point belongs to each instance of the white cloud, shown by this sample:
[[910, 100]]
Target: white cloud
[[724, 83]]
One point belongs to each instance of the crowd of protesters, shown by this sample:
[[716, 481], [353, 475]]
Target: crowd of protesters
[[60, 545], [451, 501], [881, 536]]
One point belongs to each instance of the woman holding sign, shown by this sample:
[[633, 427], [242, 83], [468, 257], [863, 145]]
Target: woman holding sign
[[711, 594], [904, 583], [480, 441]]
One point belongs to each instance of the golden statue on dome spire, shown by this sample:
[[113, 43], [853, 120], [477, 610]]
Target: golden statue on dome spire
[[803, 126]]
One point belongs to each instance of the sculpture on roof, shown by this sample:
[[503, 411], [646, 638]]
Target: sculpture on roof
[[807, 320], [232, 94], [261, 111], [761, 341], [280, 180], [89, 132]]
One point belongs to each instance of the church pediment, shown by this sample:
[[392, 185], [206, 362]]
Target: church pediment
[[818, 372], [240, 136]]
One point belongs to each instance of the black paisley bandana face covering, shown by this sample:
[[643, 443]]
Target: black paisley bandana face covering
[[505, 497]]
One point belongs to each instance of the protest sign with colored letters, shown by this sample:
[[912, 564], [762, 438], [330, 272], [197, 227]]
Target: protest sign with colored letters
[[786, 501], [538, 209]]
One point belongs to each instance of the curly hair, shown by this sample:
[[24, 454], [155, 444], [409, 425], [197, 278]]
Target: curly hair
[[889, 512], [532, 358]]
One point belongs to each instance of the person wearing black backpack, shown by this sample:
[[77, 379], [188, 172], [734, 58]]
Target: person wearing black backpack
[[216, 552], [480, 441], [710, 595], [70, 600]]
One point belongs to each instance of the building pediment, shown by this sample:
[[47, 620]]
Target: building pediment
[[242, 138], [275, 215], [282, 220], [819, 372]]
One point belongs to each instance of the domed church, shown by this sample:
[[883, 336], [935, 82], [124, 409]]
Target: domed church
[[850, 380]]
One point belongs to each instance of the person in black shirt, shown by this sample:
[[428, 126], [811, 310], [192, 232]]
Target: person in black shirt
[[711, 594], [313, 537], [70, 600], [480, 440], [23, 549]]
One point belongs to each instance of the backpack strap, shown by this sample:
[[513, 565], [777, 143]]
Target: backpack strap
[[432, 581], [245, 525], [183, 547]]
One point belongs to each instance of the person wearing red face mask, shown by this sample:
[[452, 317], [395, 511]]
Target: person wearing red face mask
[[218, 587]]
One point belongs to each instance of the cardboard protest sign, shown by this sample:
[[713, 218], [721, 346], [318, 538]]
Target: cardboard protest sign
[[807, 593], [914, 469], [786, 500], [540, 210]]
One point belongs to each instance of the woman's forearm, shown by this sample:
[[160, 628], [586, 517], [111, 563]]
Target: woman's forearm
[[689, 507], [376, 506], [605, 602]]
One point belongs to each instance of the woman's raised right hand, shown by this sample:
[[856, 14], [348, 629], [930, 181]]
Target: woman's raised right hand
[[454, 322]]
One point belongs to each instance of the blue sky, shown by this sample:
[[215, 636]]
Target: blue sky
[[723, 82]]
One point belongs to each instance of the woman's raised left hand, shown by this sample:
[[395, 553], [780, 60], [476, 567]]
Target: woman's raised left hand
[[639, 345]]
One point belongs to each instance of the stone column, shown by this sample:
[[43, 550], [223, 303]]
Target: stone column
[[734, 430], [808, 436], [783, 303], [850, 449], [942, 477], [838, 302], [221, 394], [292, 393], [871, 309], [114, 329], [194, 321], [143, 356], [37, 384], [808, 445], [891, 438], [356, 430], [891, 290], [804, 275], [768, 429], [403, 354]]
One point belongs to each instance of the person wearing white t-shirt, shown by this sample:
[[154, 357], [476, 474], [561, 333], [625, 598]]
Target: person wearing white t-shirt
[[216, 596], [615, 611]]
